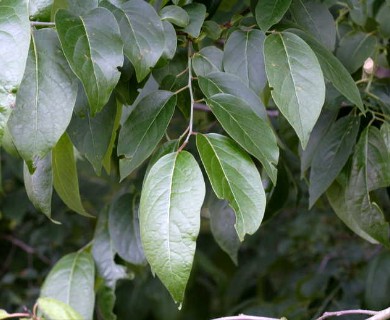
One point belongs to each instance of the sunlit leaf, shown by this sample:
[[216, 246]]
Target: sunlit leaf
[[175, 15], [54, 309]]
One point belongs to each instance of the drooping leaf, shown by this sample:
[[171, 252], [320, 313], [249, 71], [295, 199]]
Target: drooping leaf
[[175, 15], [333, 70], [171, 199], [315, 18], [105, 302], [39, 185], [170, 44], [354, 48], [37, 123], [103, 252], [243, 57], [71, 281], [15, 39], [54, 309], [222, 82], [92, 135], [331, 155], [124, 229], [295, 76], [197, 14], [143, 129], [94, 50], [207, 60], [143, 46], [270, 12], [250, 131], [234, 178], [65, 177]]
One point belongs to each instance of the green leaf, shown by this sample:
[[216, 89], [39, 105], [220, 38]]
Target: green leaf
[[212, 29], [197, 14], [234, 177], [71, 281], [3, 314], [207, 60], [37, 123], [171, 199], [77, 7], [143, 46], [331, 155], [39, 185], [94, 50], [270, 12], [316, 19], [143, 129], [354, 48], [92, 135], [249, 130], [221, 82], [15, 39], [170, 45], [296, 78], [243, 57], [333, 70], [181, 2], [65, 179], [54, 309], [105, 302], [175, 15], [382, 18], [103, 252], [222, 221], [40, 10], [124, 229]]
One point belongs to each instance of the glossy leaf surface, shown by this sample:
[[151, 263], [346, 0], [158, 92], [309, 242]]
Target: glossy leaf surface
[[175, 15]]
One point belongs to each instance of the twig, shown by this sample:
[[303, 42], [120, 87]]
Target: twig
[[246, 317], [42, 24], [381, 315], [346, 312]]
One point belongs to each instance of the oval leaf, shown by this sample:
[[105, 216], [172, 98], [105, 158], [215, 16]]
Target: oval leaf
[[243, 56], [143, 129], [250, 131], [296, 78], [39, 185], [71, 281], [36, 124], [197, 14], [65, 177], [234, 177], [171, 199], [207, 60], [170, 43], [332, 154], [143, 46], [54, 309], [175, 15], [94, 50], [333, 70], [124, 229], [15, 36], [270, 12]]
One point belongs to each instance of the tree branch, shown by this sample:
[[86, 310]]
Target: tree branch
[[381, 315], [42, 24], [346, 312], [246, 317]]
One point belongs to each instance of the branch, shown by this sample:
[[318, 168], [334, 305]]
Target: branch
[[346, 312], [246, 317], [381, 315], [42, 24]]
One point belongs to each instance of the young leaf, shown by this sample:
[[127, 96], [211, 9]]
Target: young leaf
[[103, 252], [207, 60], [296, 78], [143, 46], [270, 12], [332, 154], [171, 199], [124, 229], [71, 281], [354, 48], [65, 179], [243, 56], [92, 135], [234, 178], [143, 129], [39, 185], [15, 37], [249, 130], [333, 70], [94, 50], [105, 303], [316, 19], [175, 15], [37, 123], [197, 14], [54, 309], [221, 82]]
